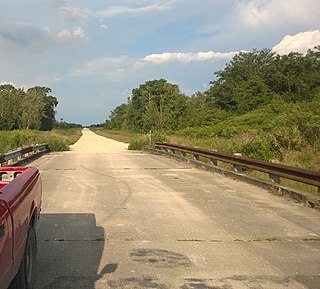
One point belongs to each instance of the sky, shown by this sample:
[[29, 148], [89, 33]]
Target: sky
[[92, 53]]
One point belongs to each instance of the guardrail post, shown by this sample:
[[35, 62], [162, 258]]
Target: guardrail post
[[196, 157], [184, 154], [275, 179], [238, 168], [214, 162]]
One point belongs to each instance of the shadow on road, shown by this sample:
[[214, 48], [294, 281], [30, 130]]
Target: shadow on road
[[70, 248]]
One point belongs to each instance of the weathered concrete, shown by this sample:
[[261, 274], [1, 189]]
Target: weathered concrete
[[114, 218]]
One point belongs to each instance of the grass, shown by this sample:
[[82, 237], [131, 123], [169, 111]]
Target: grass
[[136, 141], [122, 136], [57, 140]]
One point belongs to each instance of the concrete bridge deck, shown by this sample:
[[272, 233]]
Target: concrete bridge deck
[[114, 218]]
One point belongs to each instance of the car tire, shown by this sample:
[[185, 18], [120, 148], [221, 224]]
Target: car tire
[[25, 278]]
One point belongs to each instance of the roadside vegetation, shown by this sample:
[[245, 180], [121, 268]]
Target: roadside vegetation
[[57, 139], [263, 105], [27, 117]]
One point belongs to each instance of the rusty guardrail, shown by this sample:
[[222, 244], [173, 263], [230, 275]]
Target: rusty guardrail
[[20, 154], [275, 170]]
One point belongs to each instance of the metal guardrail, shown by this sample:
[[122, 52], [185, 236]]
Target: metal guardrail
[[20, 154], [275, 170]]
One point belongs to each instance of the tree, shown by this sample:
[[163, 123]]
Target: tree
[[296, 76], [241, 85], [156, 105], [10, 107], [32, 110], [48, 120], [118, 117], [38, 109]]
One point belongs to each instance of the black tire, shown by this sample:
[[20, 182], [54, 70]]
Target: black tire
[[25, 278]]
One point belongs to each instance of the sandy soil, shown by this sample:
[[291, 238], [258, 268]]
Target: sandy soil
[[91, 142]]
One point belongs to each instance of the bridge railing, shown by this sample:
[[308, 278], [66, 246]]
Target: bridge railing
[[275, 171], [21, 154]]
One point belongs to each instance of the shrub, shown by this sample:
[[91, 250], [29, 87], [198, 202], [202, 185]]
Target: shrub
[[57, 145], [259, 148], [158, 137], [196, 132], [58, 140], [138, 144], [289, 138]]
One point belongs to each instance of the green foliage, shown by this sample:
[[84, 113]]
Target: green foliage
[[252, 79], [196, 132], [57, 145], [124, 136], [289, 138], [158, 137], [118, 117], [259, 148], [143, 141], [139, 143], [56, 139], [10, 107], [31, 109], [155, 105], [261, 104], [48, 118], [241, 86]]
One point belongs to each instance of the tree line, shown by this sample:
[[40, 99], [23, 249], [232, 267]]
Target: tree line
[[30, 109], [250, 81], [272, 101]]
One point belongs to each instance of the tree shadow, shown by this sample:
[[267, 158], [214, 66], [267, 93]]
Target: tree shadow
[[70, 248]]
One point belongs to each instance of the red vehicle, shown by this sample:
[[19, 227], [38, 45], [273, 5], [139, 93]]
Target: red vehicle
[[20, 204]]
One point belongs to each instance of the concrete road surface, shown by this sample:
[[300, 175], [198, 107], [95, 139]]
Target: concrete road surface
[[114, 218]]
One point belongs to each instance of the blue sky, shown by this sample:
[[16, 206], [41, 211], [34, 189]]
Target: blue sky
[[93, 53]]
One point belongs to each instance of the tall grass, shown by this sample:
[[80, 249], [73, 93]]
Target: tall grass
[[57, 140], [246, 143], [136, 140], [118, 135]]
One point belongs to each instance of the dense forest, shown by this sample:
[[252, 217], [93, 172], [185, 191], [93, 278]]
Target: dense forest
[[33, 109], [269, 103], [27, 117], [30, 109]]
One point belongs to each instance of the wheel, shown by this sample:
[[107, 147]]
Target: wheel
[[25, 278]]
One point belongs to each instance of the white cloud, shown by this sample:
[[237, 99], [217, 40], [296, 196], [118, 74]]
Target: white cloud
[[103, 27], [300, 42], [188, 57], [17, 36], [253, 12], [102, 66], [77, 33], [272, 12], [72, 12], [133, 11]]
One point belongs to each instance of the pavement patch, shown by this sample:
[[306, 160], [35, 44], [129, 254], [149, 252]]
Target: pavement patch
[[133, 283], [248, 282], [160, 258]]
